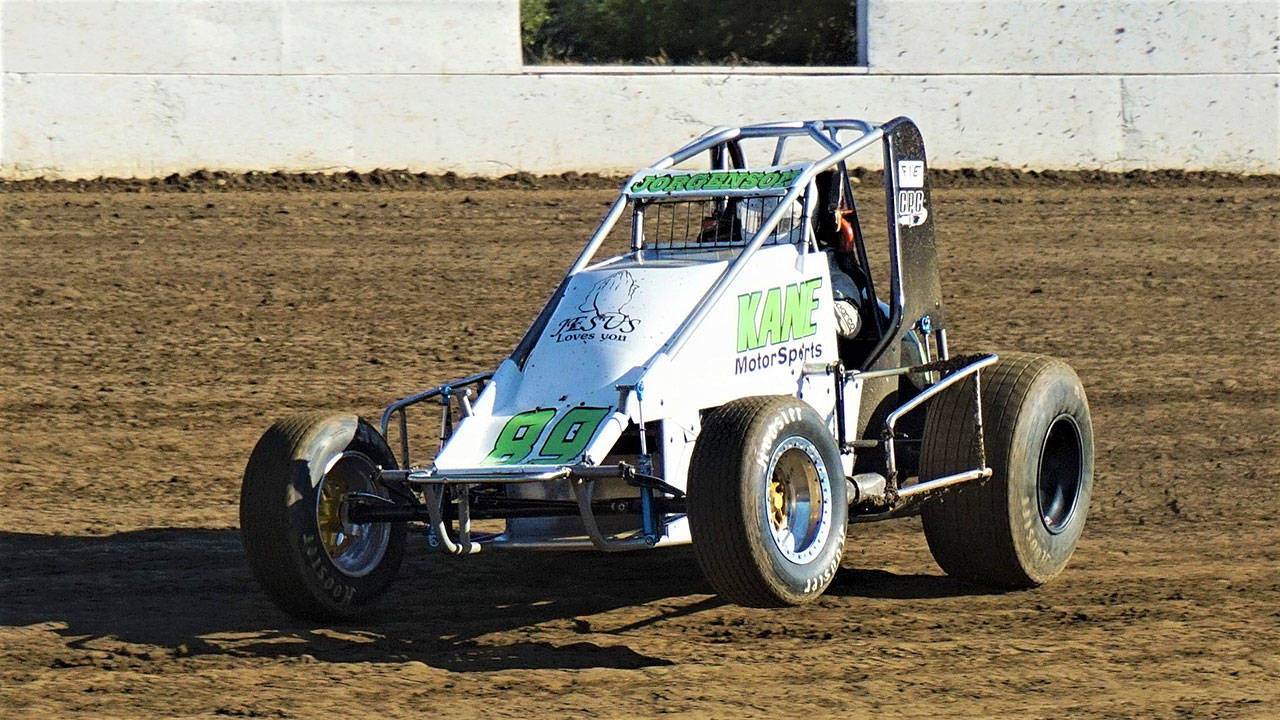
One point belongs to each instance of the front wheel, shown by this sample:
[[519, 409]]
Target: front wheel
[[767, 502], [310, 559], [1018, 528]]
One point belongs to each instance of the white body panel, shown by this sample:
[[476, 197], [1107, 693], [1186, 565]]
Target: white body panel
[[608, 330]]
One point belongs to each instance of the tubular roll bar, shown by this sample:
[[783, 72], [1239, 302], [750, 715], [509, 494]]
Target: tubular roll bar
[[973, 368], [821, 131], [446, 390], [839, 154]]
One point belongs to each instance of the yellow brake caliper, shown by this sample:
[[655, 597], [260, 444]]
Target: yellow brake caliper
[[329, 515], [777, 502]]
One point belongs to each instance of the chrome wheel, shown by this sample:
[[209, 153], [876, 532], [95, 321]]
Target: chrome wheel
[[356, 549], [798, 506]]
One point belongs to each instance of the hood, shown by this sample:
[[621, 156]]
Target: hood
[[611, 320], [609, 323]]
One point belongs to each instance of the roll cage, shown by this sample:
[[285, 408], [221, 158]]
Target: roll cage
[[912, 251]]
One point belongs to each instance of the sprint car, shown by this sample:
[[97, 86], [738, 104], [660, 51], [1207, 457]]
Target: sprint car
[[742, 375]]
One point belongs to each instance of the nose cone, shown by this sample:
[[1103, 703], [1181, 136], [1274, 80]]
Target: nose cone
[[609, 322]]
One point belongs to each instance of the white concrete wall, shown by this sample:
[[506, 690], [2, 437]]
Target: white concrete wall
[[149, 87], [260, 37], [1144, 83], [1074, 37]]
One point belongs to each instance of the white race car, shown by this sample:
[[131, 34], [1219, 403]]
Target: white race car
[[737, 379]]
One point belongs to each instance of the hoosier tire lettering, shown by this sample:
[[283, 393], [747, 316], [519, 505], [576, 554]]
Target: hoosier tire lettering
[[280, 518], [754, 542]]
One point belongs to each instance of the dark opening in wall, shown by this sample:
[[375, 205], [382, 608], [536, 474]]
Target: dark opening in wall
[[689, 32]]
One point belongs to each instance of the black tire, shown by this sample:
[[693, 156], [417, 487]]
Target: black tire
[[282, 513], [745, 447], [1018, 528]]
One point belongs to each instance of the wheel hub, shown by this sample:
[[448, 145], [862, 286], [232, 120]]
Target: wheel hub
[[798, 503], [356, 549], [333, 532], [777, 503]]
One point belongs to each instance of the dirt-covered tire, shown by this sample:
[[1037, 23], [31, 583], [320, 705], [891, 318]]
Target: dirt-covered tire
[[313, 563], [767, 502], [1018, 528]]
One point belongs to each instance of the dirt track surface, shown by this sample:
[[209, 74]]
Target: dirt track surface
[[147, 338]]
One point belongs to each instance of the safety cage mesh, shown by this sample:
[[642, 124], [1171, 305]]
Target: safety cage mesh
[[716, 222]]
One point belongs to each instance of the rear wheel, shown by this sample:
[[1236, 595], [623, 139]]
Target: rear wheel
[[304, 552], [1019, 528], [767, 502]]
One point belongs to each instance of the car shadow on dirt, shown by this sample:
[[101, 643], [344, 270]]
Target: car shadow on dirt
[[189, 591], [887, 585]]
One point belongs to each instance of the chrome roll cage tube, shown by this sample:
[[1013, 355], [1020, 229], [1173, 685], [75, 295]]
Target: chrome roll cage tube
[[823, 132], [815, 130]]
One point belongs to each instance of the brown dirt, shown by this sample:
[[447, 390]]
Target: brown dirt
[[147, 338], [381, 180]]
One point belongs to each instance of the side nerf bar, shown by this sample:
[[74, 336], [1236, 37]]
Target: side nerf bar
[[954, 370], [957, 369]]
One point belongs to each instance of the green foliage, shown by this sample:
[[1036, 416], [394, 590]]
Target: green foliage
[[533, 15], [688, 32]]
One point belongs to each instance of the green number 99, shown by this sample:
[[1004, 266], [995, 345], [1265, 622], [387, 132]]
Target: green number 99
[[518, 436], [566, 441]]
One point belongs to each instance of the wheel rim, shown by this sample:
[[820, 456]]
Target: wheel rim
[[798, 502], [1061, 473], [356, 549]]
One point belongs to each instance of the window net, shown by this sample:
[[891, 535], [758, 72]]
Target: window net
[[717, 223]]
